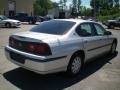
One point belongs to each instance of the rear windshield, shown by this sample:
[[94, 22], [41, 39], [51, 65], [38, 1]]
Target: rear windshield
[[56, 27]]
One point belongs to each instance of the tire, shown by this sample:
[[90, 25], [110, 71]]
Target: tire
[[33, 22], [113, 48], [30, 22], [8, 25], [75, 65], [40, 20], [111, 27]]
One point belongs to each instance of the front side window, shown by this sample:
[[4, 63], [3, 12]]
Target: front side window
[[99, 29], [84, 30], [56, 27]]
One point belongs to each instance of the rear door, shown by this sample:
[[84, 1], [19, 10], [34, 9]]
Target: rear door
[[90, 40]]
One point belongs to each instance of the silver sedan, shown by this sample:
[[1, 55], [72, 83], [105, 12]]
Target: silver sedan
[[6, 22], [60, 45]]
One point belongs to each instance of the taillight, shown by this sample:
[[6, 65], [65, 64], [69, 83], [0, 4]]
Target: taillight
[[30, 47], [40, 49]]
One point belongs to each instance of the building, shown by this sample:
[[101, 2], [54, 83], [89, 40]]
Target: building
[[54, 13], [12, 7], [59, 13]]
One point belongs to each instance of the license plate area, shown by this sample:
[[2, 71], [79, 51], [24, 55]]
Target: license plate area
[[17, 57]]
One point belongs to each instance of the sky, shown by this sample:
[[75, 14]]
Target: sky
[[84, 2]]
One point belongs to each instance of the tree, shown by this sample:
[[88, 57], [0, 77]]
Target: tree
[[86, 11], [110, 3], [62, 3], [41, 7], [102, 7], [75, 4], [79, 4], [55, 4], [96, 4], [76, 7], [116, 3]]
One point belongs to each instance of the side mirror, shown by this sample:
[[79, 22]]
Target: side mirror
[[108, 33]]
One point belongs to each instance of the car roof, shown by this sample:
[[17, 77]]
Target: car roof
[[75, 20]]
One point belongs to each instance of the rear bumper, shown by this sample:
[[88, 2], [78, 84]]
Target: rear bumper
[[38, 64]]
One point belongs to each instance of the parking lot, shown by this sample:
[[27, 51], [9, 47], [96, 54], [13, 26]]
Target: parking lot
[[102, 74]]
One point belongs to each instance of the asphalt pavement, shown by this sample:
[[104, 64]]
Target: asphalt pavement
[[102, 74]]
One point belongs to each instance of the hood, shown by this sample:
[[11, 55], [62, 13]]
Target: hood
[[37, 36], [11, 20]]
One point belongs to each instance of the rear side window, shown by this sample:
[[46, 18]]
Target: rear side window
[[87, 28], [56, 27], [84, 30], [99, 29]]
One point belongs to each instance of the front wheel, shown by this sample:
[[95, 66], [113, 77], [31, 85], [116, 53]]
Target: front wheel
[[75, 65], [32, 22], [7, 25], [113, 48]]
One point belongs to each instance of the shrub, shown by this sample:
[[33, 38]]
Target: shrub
[[107, 17]]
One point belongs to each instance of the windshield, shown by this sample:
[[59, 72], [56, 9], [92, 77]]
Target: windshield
[[3, 17], [56, 27]]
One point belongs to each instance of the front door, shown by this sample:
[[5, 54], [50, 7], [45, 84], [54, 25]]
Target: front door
[[104, 42]]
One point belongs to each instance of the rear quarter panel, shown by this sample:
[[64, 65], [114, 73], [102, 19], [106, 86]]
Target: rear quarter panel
[[65, 46]]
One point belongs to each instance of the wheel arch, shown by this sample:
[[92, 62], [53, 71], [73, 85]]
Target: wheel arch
[[81, 53], [8, 23]]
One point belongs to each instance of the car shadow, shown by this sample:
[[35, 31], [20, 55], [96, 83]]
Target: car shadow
[[11, 27], [26, 23], [27, 80]]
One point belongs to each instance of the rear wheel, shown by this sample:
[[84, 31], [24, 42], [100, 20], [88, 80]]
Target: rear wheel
[[8, 25], [75, 65]]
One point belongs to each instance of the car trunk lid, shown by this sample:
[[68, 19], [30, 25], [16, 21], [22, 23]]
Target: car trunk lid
[[32, 42], [33, 36]]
